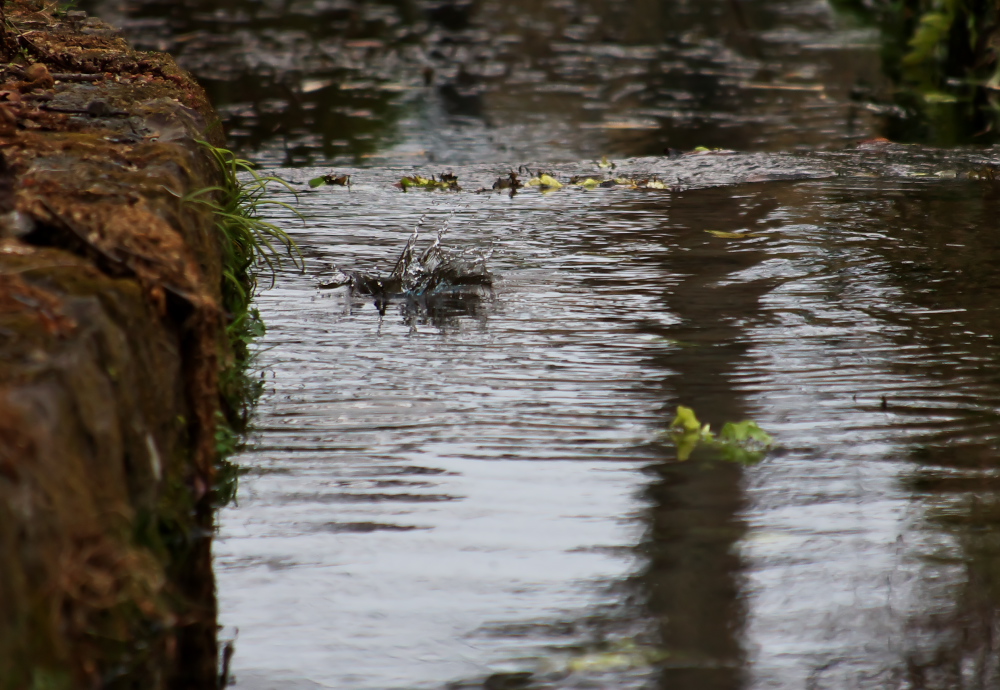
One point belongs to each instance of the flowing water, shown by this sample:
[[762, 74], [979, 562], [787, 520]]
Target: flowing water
[[309, 82], [449, 493], [477, 491]]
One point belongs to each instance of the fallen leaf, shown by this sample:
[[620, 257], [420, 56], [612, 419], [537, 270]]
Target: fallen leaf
[[448, 182], [734, 235], [545, 180]]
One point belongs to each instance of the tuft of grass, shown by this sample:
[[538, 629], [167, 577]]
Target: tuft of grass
[[248, 240], [249, 245]]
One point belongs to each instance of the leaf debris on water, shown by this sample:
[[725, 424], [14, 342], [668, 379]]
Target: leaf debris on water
[[511, 182], [545, 181], [445, 181], [586, 182], [735, 235], [331, 179], [743, 442]]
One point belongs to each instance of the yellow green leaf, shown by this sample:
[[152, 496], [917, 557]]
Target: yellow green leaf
[[734, 235], [939, 97], [685, 420], [742, 442]]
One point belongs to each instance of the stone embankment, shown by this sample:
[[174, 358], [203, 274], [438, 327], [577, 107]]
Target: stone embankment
[[112, 337]]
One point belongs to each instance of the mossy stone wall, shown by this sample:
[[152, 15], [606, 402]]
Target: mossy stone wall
[[111, 340]]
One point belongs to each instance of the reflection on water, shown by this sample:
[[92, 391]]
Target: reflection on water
[[486, 500], [692, 577], [945, 258], [419, 81]]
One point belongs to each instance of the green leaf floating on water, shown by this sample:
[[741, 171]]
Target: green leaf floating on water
[[745, 433], [686, 421], [688, 432], [742, 442]]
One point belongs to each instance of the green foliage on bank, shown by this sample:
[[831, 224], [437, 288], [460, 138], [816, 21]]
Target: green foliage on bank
[[249, 244], [941, 56]]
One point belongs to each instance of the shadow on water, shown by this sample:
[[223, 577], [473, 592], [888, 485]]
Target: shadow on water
[[921, 259], [690, 584], [693, 576], [944, 264]]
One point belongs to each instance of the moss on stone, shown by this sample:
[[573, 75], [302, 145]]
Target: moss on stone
[[112, 337]]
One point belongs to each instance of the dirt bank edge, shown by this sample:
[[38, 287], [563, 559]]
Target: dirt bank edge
[[112, 338]]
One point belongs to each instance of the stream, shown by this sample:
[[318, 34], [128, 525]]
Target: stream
[[450, 493], [479, 492]]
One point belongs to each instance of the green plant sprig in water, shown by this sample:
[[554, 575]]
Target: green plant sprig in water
[[248, 242], [247, 238], [742, 442]]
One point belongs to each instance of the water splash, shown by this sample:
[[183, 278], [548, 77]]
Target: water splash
[[421, 278]]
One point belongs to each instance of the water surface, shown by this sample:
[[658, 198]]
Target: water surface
[[441, 497], [459, 82]]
